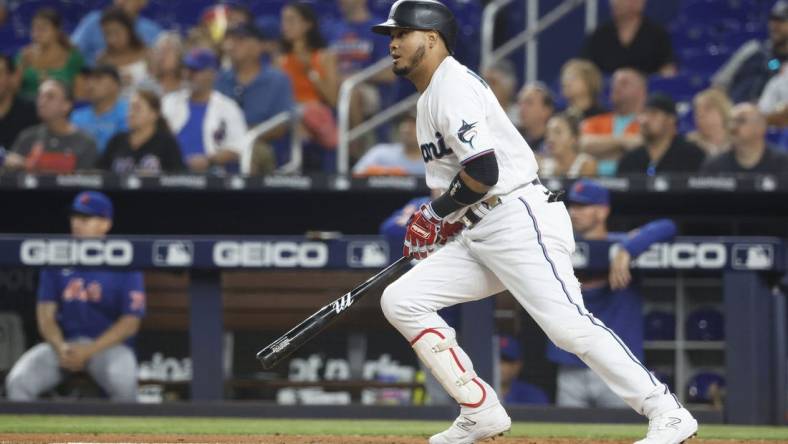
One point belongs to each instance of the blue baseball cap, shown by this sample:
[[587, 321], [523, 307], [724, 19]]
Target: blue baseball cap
[[510, 348], [200, 58], [92, 203], [588, 192]]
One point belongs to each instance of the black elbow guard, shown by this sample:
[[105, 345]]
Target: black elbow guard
[[483, 168]]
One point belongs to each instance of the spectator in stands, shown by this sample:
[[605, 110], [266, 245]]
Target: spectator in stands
[[664, 149], [514, 390], [356, 47], [165, 73], [262, 91], [311, 67], [16, 114], [125, 51], [750, 153], [89, 36], [401, 158], [561, 158], [773, 102], [210, 126], [712, 110], [87, 317], [503, 81], [148, 147], [106, 114], [313, 71], [608, 136], [581, 85], [746, 73], [55, 145], [49, 55], [630, 40], [611, 296], [536, 106]]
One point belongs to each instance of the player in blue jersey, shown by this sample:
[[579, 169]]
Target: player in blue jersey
[[610, 296], [87, 318]]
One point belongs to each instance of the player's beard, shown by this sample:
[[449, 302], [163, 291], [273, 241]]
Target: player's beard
[[414, 62]]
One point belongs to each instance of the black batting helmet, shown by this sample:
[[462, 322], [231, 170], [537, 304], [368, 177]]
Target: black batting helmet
[[424, 15]]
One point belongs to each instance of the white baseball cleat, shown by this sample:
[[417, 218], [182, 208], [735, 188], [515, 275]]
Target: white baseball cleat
[[672, 427], [474, 427]]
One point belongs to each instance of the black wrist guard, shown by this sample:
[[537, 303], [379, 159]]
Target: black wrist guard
[[458, 196]]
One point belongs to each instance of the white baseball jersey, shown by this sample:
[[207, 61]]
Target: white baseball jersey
[[458, 119]]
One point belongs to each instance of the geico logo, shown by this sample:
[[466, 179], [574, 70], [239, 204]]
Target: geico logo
[[76, 252], [270, 254], [684, 256]]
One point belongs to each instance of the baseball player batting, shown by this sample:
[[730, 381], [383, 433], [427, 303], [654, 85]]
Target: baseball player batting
[[517, 236]]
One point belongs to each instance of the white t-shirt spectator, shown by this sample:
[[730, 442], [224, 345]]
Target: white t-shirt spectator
[[388, 159]]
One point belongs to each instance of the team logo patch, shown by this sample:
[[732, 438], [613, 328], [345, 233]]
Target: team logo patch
[[467, 132]]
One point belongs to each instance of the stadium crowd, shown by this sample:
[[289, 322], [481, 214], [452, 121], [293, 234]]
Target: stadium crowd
[[122, 94]]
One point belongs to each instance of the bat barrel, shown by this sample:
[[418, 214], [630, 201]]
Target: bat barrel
[[310, 327]]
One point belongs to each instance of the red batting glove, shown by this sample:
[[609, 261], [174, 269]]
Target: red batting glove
[[449, 231], [422, 233]]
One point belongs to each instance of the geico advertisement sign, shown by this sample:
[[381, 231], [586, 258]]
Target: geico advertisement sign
[[76, 252], [683, 255], [270, 254]]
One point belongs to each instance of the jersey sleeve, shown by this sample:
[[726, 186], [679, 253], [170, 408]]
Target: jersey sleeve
[[47, 285], [640, 240], [134, 295], [461, 118]]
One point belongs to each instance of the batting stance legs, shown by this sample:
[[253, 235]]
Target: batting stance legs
[[514, 247]]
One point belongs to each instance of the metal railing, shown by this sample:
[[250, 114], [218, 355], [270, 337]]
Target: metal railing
[[346, 135], [296, 143], [529, 36]]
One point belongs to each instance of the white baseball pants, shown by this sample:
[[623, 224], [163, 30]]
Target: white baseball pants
[[523, 245]]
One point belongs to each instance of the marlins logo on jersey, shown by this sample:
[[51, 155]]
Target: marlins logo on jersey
[[467, 132]]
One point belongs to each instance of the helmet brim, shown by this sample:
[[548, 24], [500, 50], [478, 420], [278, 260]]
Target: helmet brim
[[386, 27]]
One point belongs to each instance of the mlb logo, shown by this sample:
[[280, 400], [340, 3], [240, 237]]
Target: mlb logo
[[173, 253], [753, 257], [580, 256], [367, 254]]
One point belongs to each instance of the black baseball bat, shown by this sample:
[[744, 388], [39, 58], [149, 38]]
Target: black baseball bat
[[311, 326]]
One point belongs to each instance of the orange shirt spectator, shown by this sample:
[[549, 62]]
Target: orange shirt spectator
[[603, 124], [301, 76]]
